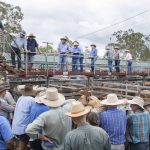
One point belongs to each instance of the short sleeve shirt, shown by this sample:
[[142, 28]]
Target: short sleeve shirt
[[5, 132]]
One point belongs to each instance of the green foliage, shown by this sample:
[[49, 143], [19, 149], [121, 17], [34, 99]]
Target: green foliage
[[11, 17], [135, 41], [45, 49]]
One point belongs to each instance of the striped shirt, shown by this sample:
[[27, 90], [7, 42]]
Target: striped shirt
[[113, 121], [138, 126]]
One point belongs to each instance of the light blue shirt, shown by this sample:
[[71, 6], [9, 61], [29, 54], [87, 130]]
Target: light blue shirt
[[93, 52], [76, 50], [63, 48], [22, 114], [5, 133], [19, 42], [109, 54]]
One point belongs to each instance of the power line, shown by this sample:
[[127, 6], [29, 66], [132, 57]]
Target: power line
[[104, 28]]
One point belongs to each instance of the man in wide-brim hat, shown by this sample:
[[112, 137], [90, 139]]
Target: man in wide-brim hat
[[85, 134], [54, 123], [31, 35], [138, 125], [113, 121], [117, 58]]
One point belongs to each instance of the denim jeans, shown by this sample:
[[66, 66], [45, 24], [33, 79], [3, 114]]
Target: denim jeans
[[16, 51], [62, 62], [93, 63], [75, 63], [139, 146], [129, 66], [117, 65], [110, 65], [81, 63]]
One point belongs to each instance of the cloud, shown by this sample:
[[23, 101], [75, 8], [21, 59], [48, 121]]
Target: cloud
[[51, 19]]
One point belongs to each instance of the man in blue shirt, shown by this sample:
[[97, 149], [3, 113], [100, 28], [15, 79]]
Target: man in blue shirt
[[6, 135], [36, 110], [113, 121], [138, 125], [76, 51], [22, 116], [109, 55], [32, 48], [63, 49], [93, 55]]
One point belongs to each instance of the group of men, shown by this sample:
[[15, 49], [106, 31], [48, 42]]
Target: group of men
[[44, 117], [114, 55]]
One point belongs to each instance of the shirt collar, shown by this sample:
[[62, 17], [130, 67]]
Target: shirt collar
[[84, 125], [112, 109]]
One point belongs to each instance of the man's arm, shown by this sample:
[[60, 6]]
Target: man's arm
[[6, 107], [33, 129], [6, 133], [67, 143]]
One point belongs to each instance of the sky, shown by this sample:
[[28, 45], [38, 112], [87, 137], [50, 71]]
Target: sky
[[50, 20]]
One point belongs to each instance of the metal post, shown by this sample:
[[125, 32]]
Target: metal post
[[26, 63]]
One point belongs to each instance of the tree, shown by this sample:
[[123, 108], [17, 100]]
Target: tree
[[11, 16], [135, 41]]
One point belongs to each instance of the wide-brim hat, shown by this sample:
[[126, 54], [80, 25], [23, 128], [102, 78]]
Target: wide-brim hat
[[94, 101], [93, 45], [116, 47], [78, 110], [137, 101], [50, 97], [127, 50], [3, 88], [21, 90], [64, 38], [31, 35], [112, 100]]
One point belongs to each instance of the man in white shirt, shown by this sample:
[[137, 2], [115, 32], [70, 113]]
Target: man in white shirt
[[128, 58], [19, 42]]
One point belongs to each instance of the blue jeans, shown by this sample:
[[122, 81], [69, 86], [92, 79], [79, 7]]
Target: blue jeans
[[81, 63], [129, 66], [117, 65], [62, 62], [75, 63], [110, 65], [139, 146], [93, 63]]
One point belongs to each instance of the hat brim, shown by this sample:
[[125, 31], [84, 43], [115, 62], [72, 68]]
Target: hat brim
[[133, 102], [93, 45], [59, 102], [105, 102], [63, 39], [73, 115]]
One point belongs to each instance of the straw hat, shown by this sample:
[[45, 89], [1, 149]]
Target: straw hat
[[50, 97], [93, 45], [116, 47], [112, 100], [137, 101], [127, 50], [78, 110], [64, 38], [31, 35], [3, 88]]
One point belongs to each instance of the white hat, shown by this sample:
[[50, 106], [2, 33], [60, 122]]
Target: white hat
[[137, 101], [50, 97], [78, 109], [31, 35], [112, 100]]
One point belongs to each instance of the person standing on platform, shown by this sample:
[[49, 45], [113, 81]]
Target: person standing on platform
[[128, 58], [117, 59], [63, 50], [19, 42], [93, 55], [138, 125], [32, 47], [109, 56], [76, 51]]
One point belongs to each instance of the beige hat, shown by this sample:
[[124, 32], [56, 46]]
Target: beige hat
[[116, 47], [78, 110], [64, 38], [50, 97], [112, 100], [127, 50], [137, 101], [94, 101], [31, 35]]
